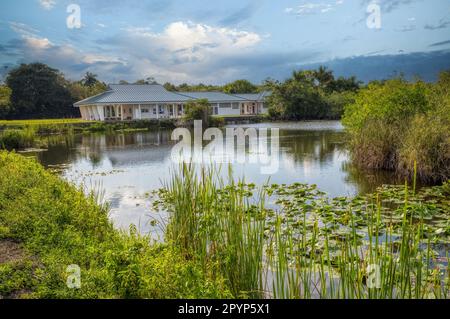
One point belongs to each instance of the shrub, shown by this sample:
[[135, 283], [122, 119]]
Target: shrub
[[395, 124], [17, 139]]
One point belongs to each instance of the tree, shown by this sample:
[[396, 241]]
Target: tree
[[297, 98], [90, 79], [170, 87], [39, 91], [149, 80], [198, 110], [5, 96], [324, 77], [240, 86]]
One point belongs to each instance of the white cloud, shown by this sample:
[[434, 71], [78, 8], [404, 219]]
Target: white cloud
[[183, 50], [313, 8], [47, 4]]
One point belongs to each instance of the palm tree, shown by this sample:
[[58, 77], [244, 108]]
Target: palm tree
[[324, 76], [90, 79]]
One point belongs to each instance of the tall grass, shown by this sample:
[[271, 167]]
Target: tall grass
[[212, 222], [307, 245], [17, 139]]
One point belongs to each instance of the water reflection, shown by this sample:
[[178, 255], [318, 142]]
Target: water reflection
[[128, 166]]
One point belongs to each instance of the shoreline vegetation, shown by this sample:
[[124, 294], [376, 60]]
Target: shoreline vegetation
[[402, 127], [224, 239]]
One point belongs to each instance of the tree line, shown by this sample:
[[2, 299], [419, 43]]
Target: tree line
[[38, 91]]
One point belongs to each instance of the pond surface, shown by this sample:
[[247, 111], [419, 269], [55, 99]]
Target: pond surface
[[126, 167]]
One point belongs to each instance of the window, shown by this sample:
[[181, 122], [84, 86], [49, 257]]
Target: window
[[225, 105], [235, 106], [154, 109], [161, 109], [145, 110]]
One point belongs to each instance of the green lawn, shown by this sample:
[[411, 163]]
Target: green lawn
[[42, 122]]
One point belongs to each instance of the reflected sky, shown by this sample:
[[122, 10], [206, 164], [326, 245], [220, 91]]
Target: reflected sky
[[126, 167]]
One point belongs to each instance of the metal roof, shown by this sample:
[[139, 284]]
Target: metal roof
[[155, 93], [134, 94], [214, 96], [255, 96]]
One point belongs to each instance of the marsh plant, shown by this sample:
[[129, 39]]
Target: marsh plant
[[292, 241]]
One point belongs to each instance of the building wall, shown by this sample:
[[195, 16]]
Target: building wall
[[162, 111]]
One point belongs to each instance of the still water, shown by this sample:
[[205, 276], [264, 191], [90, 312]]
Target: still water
[[126, 167]]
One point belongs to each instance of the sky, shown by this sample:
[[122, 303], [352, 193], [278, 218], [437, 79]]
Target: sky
[[218, 41]]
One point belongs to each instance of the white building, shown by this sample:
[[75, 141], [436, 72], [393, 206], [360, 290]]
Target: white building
[[141, 102]]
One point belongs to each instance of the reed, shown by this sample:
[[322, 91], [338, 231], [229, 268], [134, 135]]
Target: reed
[[302, 244]]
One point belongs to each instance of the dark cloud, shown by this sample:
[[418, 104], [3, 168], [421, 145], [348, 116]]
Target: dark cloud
[[426, 65], [437, 44], [442, 24]]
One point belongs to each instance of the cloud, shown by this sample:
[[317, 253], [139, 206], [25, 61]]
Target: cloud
[[30, 47], [437, 44], [389, 5], [442, 24], [427, 65], [183, 51], [407, 28], [240, 15], [313, 8], [22, 29], [47, 4]]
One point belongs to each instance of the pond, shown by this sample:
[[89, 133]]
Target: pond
[[125, 167]]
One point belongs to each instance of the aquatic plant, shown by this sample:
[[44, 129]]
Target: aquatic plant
[[292, 241]]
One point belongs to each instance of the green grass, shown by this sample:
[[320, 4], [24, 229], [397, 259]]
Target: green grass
[[42, 122], [56, 225], [13, 139]]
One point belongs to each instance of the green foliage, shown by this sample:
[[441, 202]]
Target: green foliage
[[38, 91], [198, 110], [89, 79], [395, 124], [59, 226], [240, 86], [310, 95], [5, 96], [17, 139]]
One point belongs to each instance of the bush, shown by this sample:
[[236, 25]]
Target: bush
[[17, 139], [198, 110], [395, 124]]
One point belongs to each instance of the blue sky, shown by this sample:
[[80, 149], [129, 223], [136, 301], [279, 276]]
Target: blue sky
[[213, 41]]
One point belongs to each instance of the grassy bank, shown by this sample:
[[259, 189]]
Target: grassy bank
[[16, 135], [46, 224], [395, 124]]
